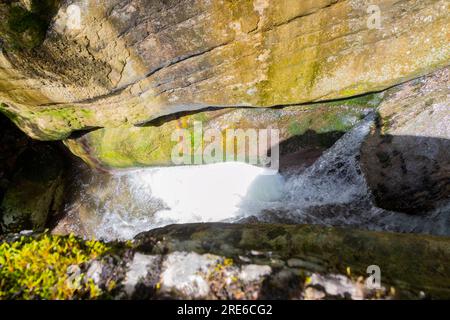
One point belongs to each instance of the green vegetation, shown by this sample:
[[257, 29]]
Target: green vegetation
[[71, 116], [25, 28], [37, 268], [369, 100], [64, 120], [325, 119]]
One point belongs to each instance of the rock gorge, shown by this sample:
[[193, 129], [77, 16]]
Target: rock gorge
[[91, 92]]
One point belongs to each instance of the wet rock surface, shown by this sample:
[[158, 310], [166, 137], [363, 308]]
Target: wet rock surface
[[306, 130], [32, 183]]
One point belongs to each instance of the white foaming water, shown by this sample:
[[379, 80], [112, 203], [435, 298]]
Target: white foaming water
[[121, 205], [207, 193], [332, 191], [336, 177]]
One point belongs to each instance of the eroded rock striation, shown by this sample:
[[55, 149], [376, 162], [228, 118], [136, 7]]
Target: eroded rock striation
[[114, 63]]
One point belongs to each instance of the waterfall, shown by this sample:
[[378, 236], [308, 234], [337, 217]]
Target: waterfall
[[332, 191], [123, 204]]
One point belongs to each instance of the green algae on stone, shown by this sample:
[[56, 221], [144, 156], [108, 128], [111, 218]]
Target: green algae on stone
[[64, 121], [12, 116], [152, 145], [338, 116]]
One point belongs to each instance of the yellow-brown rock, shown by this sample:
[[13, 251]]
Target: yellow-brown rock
[[120, 63]]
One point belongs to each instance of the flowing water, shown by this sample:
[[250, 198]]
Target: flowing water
[[332, 191]]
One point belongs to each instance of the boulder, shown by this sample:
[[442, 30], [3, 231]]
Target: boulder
[[292, 254], [406, 158]]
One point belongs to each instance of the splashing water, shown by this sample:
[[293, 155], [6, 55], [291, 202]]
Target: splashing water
[[332, 191], [124, 204]]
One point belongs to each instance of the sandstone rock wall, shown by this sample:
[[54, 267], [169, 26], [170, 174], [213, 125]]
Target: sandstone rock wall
[[127, 62], [406, 159]]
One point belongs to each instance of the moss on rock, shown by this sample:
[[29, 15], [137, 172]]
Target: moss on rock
[[48, 267], [151, 145]]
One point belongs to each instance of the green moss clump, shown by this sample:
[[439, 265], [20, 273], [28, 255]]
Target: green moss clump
[[297, 128], [367, 100], [71, 117], [37, 268], [326, 119]]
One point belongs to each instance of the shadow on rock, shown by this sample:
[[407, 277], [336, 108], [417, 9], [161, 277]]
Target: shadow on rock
[[408, 174]]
